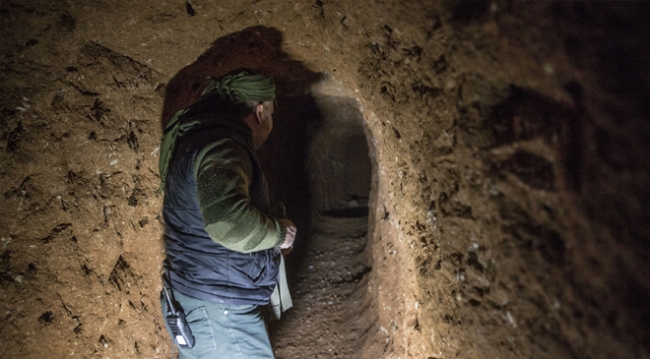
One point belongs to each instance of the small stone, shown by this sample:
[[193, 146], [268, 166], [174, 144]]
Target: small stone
[[19, 278], [548, 69]]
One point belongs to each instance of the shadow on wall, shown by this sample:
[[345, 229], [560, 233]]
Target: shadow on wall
[[257, 47], [283, 155]]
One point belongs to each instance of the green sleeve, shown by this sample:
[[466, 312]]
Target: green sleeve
[[223, 172]]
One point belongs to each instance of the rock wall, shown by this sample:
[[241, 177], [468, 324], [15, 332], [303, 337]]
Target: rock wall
[[508, 143]]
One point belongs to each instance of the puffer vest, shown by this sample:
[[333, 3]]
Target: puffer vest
[[196, 265]]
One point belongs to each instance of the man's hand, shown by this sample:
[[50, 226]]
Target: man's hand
[[291, 234]]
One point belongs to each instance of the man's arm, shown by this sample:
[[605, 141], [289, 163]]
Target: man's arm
[[223, 173]]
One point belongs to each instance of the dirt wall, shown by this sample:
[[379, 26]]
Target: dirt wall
[[508, 143]]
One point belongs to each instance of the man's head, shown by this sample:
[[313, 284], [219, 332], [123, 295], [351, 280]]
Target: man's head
[[252, 94]]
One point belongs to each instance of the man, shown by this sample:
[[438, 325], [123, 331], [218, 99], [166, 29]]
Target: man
[[222, 245]]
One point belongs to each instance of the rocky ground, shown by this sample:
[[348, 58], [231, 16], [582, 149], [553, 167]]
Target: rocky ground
[[499, 212]]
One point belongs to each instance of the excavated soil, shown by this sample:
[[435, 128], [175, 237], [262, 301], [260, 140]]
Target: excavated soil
[[469, 179]]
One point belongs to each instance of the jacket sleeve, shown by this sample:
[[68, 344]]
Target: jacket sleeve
[[223, 172]]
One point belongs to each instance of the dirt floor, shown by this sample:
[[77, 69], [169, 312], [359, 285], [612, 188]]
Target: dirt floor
[[469, 178]]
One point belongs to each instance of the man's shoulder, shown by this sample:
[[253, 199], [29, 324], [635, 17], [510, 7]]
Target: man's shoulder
[[222, 150], [207, 136], [222, 146]]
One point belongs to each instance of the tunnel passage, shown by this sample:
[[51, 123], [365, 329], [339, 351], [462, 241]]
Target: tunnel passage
[[339, 164], [316, 163], [328, 269]]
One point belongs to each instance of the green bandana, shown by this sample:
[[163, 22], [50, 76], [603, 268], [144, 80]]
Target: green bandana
[[242, 87]]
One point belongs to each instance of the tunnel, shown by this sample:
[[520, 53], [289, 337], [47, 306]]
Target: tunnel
[[329, 267], [468, 179]]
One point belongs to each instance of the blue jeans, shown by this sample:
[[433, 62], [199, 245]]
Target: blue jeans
[[223, 331]]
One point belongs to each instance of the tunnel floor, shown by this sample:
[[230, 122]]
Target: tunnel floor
[[329, 318]]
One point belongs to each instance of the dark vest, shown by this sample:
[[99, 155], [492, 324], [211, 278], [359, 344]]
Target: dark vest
[[196, 265]]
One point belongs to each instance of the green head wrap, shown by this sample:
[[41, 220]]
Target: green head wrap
[[240, 87]]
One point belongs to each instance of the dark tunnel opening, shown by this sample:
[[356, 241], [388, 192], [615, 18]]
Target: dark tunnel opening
[[357, 170], [339, 163]]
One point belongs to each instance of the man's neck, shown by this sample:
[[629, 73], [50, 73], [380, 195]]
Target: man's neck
[[252, 123]]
